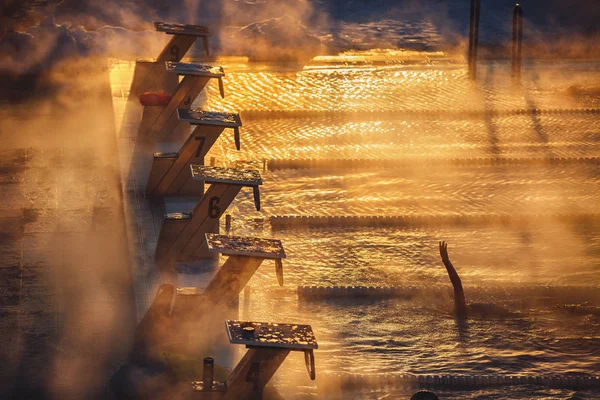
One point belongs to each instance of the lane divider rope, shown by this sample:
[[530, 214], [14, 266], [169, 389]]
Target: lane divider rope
[[393, 114], [361, 381], [279, 164], [314, 293], [284, 222]]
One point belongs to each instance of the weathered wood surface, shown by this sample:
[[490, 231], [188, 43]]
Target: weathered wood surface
[[285, 336], [253, 372], [189, 242], [195, 69], [159, 127], [181, 29], [245, 246], [244, 177], [154, 77], [201, 117], [229, 281], [171, 175]]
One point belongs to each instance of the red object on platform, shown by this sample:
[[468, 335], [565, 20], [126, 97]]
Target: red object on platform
[[154, 99]]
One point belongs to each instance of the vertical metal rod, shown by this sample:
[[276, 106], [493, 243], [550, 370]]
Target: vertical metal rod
[[517, 46], [471, 27], [475, 39], [247, 302], [228, 223], [208, 372]]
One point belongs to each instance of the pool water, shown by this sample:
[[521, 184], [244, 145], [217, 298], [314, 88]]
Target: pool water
[[516, 327]]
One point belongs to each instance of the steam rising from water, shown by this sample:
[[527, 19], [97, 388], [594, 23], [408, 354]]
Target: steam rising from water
[[75, 315], [387, 336], [273, 30]]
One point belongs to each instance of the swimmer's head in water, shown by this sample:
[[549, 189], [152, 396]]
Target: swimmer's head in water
[[424, 395]]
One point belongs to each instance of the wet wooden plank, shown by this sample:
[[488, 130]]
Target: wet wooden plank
[[245, 177], [200, 117], [245, 246], [265, 334], [181, 29], [195, 69]]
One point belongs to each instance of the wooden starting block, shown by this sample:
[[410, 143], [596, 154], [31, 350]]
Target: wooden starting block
[[246, 254], [158, 122], [268, 346], [182, 237], [184, 36], [195, 311], [170, 174], [151, 76], [187, 315]]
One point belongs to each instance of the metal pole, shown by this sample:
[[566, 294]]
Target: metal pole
[[474, 37], [228, 223], [208, 373], [247, 302], [517, 47], [471, 26]]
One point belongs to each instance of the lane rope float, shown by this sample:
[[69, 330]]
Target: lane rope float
[[285, 222], [279, 164], [352, 382]]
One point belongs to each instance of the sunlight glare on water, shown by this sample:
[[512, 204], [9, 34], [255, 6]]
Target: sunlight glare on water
[[504, 269]]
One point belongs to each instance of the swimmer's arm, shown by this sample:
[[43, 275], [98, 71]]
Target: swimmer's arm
[[454, 278], [459, 295]]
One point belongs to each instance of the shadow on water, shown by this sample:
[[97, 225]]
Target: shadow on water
[[488, 105], [535, 119]]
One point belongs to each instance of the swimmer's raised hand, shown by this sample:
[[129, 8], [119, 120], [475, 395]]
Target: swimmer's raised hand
[[444, 252]]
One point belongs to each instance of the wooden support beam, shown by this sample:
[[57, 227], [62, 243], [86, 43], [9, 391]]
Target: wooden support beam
[[176, 178], [253, 372], [154, 327], [161, 124], [204, 219], [184, 36], [196, 248], [229, 281], [160, 127], [190, 243], [161, 164], [173, 51]]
